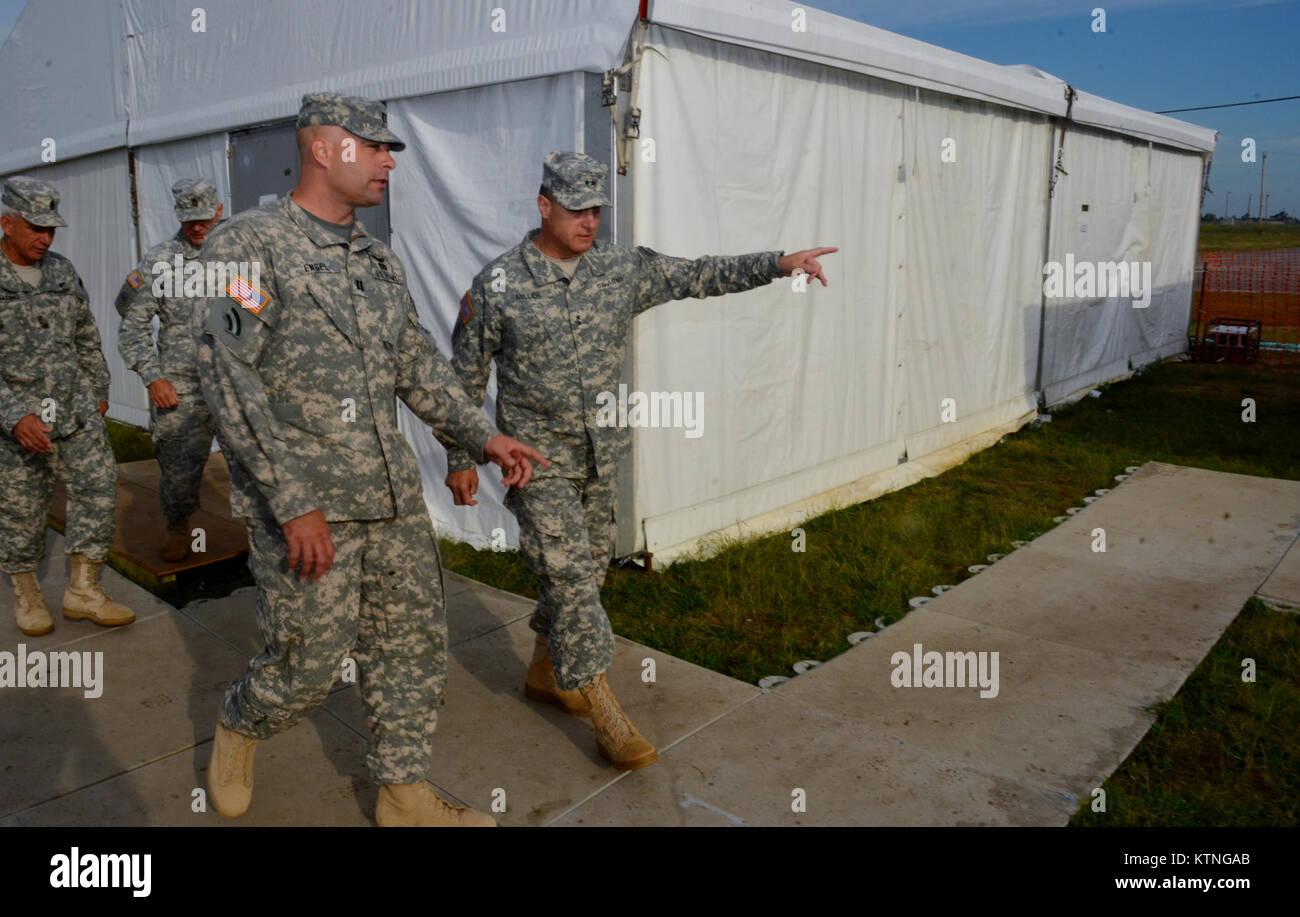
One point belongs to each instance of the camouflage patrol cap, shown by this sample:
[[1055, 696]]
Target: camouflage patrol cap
[[575, 180], [195, 199], [37, 202], [367, 118]]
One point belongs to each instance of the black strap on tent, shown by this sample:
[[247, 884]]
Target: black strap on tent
[[628, 76], [1070, 95]]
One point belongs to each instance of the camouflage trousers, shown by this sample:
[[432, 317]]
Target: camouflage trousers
[[380, 604], [566, 534], [182, 440], [83, 460]]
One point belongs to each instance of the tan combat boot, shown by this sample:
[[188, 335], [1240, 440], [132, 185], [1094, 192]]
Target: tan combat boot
[[85, 598], [177, 546], [540, 684], [29, 607], [230, 772], [416, 805], [617, 738]]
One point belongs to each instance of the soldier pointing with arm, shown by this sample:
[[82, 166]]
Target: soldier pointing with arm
[[554, 313], [301, 362]]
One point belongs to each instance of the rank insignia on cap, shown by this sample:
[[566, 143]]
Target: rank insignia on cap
[[135, 280], [247, 295], [466, 309]]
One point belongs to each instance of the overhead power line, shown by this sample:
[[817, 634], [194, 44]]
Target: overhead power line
[[1170, 111]]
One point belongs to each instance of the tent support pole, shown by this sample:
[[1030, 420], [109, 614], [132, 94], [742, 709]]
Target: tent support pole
[[1042, 291], [1052, 168]]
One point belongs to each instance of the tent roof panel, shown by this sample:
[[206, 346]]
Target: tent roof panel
[[68, 91], [250, 66], [137, 71], [850, 45]]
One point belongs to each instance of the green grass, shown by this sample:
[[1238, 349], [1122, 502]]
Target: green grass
[[756, 608], [1217, 237], [130, 443], [1222, 752]]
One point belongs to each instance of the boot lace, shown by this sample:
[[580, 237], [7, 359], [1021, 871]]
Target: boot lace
[[237, 756], [29, 591], [614, 722], [456, 813]]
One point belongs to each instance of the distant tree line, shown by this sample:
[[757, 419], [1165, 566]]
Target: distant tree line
[[1281, 217]]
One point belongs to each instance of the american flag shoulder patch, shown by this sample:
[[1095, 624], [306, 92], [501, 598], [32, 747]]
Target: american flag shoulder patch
[[247, 295], [135, 280], [466, 309]]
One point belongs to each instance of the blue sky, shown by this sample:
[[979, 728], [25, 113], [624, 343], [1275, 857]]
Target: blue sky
[[1155, 54]]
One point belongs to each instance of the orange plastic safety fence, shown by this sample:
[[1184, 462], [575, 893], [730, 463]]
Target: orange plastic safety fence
[[1247, 308]]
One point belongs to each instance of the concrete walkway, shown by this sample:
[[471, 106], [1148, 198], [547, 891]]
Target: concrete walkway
[[1085, 641]]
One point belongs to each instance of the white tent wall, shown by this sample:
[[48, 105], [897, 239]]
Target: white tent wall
[[1175, 201], [464, 191], [1086, 341], [975, 208], [1090, 340], [95, 200], [940, 295], [796, 395]]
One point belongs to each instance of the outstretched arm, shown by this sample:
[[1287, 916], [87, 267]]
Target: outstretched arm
[[663, 278]]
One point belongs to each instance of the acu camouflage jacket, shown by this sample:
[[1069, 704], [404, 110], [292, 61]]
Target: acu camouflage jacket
[[303, 370], [49, 349], [559, 343]]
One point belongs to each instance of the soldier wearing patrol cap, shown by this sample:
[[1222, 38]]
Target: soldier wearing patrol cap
[[182, 424], [53, 395], [302, 369], [554, 313]]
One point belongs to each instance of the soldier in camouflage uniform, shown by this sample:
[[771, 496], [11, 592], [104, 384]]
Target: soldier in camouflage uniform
[[182, 424], [554, 313], [301, 362], [53, 395]]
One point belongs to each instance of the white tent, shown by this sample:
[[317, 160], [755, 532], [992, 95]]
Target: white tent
[[761, 125]]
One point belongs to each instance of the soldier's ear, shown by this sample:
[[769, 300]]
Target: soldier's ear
[[320, 151], [544, 206]]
